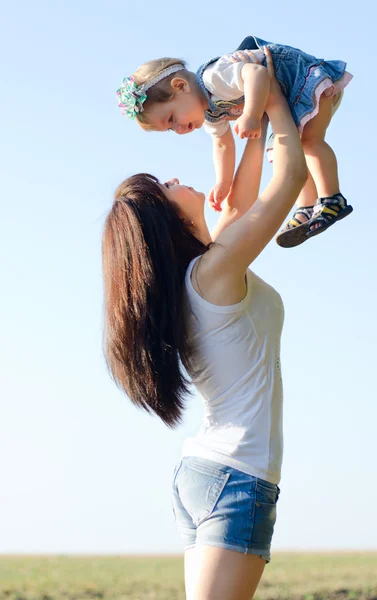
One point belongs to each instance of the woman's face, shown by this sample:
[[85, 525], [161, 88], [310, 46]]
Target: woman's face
[[189, 201]]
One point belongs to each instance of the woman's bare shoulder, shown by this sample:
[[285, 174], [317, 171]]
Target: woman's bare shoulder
[[215, 285]]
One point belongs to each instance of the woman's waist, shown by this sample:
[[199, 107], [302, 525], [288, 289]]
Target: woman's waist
[[254, 460], [223, 395]]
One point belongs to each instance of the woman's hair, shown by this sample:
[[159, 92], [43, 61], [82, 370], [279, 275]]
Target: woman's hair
[[146, 249], [161, 91]]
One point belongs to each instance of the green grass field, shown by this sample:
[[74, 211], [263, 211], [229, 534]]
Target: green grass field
[[293, 576]]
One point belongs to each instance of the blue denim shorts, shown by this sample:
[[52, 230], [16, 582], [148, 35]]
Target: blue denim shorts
[[220, 506]]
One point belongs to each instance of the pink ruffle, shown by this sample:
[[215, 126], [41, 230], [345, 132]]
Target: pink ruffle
[[328, 88]]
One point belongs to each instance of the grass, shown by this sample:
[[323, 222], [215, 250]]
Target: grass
[[290, 576]]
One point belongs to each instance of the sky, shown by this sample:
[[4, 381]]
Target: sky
[[81, 469]]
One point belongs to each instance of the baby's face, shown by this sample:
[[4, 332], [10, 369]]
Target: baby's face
[[183, 114]]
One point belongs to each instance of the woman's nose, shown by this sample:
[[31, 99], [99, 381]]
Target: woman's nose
[[181, 129]]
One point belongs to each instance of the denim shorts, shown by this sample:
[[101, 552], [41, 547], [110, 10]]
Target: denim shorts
[[220, 506]]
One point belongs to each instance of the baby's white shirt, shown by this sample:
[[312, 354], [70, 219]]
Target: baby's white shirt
[[223, 80]]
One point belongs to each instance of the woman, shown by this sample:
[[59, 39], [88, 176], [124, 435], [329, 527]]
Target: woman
[[178, 301]]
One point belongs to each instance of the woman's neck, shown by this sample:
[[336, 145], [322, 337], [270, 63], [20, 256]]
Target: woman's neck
[[202, 232]]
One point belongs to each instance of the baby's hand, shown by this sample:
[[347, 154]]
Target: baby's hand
[[248, 127], [218, 193]]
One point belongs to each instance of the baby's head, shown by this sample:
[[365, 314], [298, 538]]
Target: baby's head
[[163, 95]]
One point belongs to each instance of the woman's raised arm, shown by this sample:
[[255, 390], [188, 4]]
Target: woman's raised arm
[[242, 241]]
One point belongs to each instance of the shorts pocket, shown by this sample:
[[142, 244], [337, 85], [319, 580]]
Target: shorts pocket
[[266, 497], [266, 493], [200, 487]]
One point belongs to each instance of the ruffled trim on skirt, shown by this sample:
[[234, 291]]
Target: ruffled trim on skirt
[[328, 88]]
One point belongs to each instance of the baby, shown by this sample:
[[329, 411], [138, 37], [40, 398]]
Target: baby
[[163, 95]]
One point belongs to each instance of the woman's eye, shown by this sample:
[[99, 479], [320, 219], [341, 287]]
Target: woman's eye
[[166, 185]]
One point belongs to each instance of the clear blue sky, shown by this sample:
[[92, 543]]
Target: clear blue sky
[[81, 469]]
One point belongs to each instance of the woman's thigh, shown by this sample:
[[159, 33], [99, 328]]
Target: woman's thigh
[[212, 573]]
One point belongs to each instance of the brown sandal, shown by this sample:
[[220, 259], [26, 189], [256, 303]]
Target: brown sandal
[[328, 211], [294, 233]]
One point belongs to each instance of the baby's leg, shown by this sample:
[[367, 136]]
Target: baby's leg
[[322, 188], [320, 157], [308, 194], [306, 199]]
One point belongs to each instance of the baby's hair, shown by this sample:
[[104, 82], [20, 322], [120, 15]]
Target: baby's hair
[[161, 91]]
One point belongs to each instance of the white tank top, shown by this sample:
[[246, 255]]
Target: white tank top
[[236, 371]]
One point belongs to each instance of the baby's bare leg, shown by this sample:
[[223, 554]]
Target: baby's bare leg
[[308, 194], [307, 198], [322, 188], [320, 157]]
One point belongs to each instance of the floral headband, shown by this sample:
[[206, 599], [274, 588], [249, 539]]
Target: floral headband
[[132, 97]]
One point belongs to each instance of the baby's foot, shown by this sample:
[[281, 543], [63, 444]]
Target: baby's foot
[[326, 212], [294, 232]]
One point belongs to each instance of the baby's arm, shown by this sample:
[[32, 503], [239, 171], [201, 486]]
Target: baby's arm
[[256, 90], [224, 157], [245, 186]]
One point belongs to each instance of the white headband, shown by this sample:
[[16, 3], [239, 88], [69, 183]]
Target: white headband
[[165, 73]]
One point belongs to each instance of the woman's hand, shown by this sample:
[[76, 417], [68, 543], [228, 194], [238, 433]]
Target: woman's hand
[[248, 56], [244, 56]]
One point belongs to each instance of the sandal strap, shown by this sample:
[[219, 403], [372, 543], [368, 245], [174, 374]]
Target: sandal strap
[[320, 218], [307, 211], [327, 210], [330, 211], [337, 200], [294, 222]]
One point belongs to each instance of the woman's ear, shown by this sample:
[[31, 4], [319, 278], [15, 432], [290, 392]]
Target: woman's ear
[[179, 84]]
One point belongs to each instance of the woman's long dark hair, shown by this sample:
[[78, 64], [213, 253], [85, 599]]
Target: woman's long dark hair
[[146, 249]]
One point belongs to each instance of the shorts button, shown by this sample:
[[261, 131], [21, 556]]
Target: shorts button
[[257, 504]]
